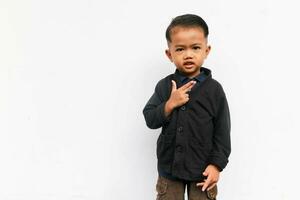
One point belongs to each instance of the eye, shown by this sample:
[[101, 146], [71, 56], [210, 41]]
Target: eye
[[179, 49], [196, 47]]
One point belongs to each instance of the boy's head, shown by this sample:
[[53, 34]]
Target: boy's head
[[187, 42]]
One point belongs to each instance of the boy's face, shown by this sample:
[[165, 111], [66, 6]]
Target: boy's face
[[188, 49]]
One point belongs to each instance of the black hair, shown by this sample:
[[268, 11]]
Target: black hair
[[187, 20]]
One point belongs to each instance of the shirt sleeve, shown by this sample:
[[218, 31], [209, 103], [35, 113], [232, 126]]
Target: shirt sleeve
[[221, 138], [154, 111]]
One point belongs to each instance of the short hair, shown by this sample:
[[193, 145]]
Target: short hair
[[187, 20]]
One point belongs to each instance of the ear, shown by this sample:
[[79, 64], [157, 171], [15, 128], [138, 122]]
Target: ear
[[168, 53], [207, 50]]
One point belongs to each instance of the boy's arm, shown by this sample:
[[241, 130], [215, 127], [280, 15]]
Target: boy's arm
[[221, 138], [218, 158], [154, 111]]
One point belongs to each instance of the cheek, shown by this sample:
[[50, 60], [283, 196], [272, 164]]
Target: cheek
[[177, 57], [177, 60]]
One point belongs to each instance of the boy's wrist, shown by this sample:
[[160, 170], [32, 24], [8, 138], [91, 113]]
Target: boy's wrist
[[169, 107], [216, 167]]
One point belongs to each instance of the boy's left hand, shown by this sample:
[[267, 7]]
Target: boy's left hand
[[212, 174]]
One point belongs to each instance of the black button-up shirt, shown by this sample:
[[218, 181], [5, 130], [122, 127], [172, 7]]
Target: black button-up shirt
[[193, 135], [184, 79]]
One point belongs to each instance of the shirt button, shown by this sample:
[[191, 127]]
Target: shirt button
[[182, 107], [179, 129], [179, 148]]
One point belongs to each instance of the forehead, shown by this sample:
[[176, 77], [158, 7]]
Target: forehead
[[187, 34]]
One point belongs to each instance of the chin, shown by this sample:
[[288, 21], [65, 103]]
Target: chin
[[190, 71]]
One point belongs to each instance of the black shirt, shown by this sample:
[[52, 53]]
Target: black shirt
[[193, 135], [184, 79]]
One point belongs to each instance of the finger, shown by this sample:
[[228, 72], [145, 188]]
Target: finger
[[174, 87], [206, 184], [200, 184], [205, 173], [211, 186], [187, 85], [189, 88]]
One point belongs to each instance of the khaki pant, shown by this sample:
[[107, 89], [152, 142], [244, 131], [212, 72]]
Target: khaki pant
[[174, 190]]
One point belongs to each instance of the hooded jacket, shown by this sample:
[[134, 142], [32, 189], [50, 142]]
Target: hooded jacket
[[195, 134]]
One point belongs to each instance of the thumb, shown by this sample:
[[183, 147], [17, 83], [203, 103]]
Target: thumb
[[174, 87], [205, 173]]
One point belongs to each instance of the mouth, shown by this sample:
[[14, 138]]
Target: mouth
[[188, 64]]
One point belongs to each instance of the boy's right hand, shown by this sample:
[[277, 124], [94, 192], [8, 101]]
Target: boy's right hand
[[178, 96]]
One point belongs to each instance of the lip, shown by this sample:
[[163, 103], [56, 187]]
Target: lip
[[188, 64]]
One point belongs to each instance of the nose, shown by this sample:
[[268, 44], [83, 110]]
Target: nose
[[188, 54]]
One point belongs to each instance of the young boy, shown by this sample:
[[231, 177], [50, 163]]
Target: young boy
[[191, 107]]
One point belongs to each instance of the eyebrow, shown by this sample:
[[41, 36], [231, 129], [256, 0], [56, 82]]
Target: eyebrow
[[181, 45]]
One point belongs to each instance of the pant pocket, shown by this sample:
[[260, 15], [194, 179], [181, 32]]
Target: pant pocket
[[212, 193], [161, 188]]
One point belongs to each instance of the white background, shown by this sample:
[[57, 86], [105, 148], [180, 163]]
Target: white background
[[75, 76]]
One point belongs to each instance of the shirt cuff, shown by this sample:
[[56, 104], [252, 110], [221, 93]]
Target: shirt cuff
[[164, 118]]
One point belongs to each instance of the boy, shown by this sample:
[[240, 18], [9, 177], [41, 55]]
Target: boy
[[191, 107]]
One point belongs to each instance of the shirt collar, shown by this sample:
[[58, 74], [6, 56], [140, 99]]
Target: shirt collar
[[184, 79]]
